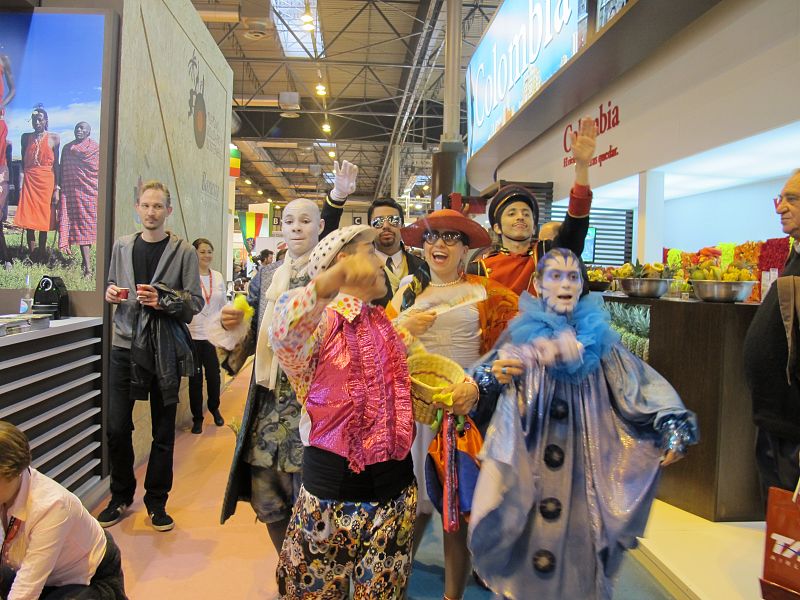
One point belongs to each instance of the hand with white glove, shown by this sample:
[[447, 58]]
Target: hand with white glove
[[344, 180]]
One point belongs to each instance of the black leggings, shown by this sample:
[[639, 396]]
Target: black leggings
[[207, 357]]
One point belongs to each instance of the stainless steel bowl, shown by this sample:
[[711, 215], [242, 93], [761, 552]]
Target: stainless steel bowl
[[645, 288], [722, 291]]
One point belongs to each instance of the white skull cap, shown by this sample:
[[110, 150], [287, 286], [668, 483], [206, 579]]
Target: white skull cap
[[328, 247]]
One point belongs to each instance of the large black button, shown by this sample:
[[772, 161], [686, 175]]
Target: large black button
[[553, 456], [550, 508], [544, 561], [559, 409]]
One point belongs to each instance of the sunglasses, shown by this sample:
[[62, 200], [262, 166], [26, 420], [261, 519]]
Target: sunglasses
[[448, 237], [394, 221]]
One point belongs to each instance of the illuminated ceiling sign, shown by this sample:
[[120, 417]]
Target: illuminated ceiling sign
[[527, 42]]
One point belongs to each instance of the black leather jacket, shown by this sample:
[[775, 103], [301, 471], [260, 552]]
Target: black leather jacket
[[161, 346]]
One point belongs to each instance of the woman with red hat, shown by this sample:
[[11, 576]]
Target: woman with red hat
[[463, 334]]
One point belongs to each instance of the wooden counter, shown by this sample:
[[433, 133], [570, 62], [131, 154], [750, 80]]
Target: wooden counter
[[697, 346], [50, 387]]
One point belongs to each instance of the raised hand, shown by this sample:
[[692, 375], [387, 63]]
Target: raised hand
[[344, 179], [583, 141]]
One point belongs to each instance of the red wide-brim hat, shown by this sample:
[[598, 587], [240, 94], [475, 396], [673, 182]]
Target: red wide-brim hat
[[446, 219]]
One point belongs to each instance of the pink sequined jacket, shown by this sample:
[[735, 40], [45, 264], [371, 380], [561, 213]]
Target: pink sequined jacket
[[348, 367]]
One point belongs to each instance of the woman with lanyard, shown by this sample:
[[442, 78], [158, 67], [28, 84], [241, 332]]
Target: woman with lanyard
[[213, 286], [462, 334]]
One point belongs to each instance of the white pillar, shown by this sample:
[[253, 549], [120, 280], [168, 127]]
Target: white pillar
[[395, 190], [227, 232], [650, 226], [452, 74]]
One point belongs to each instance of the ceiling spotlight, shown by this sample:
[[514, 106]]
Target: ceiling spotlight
[[248, 182], [260, 193], [269, 200], [307, 17], [332, 154], [426, 187], [418, 206], [308, 26], [326, 127], [321, 89]]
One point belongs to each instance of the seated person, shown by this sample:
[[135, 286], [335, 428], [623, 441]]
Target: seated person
[[572, 456], [52, 547]]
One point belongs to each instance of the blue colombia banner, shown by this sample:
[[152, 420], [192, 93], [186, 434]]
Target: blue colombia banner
[[526, 43]]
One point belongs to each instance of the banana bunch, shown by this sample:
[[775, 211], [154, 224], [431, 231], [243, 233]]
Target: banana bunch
[[737, 271], [597, 275], [643, 271]]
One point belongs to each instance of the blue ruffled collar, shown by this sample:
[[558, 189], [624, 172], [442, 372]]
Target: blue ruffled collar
[[590, 322]]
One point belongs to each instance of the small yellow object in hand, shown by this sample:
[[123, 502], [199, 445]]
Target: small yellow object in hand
[[240, 303], [444, 398]]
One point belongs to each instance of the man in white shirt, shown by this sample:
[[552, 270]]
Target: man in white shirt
[[52, 547]]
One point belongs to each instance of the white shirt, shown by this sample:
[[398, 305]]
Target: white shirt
[[210, 311], [397, 259], [58, 542]]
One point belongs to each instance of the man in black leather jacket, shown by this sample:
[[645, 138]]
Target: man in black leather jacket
[[138, 263]]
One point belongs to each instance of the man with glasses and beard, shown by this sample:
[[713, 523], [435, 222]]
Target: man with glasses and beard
[[386, 215]]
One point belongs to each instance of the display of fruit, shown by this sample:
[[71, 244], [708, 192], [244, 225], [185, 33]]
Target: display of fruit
[[599, 275], [643, 271], [709, 271]]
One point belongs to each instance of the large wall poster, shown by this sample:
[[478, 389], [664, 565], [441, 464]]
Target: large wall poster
[[174, 120], [50, 93]]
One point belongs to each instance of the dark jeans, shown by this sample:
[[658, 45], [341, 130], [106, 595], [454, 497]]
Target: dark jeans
[[778, 461], [207, 357], [158, 480], [107, 583]]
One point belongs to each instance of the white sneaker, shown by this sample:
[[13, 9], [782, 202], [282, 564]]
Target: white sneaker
[[7, 266]]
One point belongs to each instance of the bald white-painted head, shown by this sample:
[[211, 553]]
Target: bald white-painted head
[[301, 226]]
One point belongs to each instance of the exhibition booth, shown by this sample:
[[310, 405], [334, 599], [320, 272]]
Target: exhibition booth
[[148, 81]]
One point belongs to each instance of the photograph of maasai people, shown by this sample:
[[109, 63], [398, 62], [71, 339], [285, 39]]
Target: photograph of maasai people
[[50, 104]]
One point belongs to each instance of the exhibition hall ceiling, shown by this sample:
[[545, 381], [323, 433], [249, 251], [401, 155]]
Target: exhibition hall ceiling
[[381, 63]]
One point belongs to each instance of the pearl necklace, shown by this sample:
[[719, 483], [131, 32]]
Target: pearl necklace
[[448, 284]]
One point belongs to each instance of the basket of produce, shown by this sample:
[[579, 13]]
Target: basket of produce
[[599, 280], [722, 291], [712, 284], [430, 374], [644, 281]]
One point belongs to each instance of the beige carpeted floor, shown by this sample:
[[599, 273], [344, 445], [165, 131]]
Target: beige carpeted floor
[[200, 558]]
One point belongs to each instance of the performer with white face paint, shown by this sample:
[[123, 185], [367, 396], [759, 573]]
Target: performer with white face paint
[[572, 457]]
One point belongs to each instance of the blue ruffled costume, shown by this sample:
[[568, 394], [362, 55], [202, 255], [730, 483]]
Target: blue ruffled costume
[[571, 459]]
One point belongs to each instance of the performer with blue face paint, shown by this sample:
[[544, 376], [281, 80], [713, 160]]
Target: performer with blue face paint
[[572, 455]]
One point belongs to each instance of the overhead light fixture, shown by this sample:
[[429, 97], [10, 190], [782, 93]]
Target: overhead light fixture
[[308, 26], [326, 127], [218, 13], [332, 154], [426, 187], [260, 193], [248, 182], [307, 17], [321, 89], [269, 200], [290, 115], [418, 206]]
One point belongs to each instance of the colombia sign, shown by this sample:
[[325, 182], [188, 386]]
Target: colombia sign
[[527, 42]]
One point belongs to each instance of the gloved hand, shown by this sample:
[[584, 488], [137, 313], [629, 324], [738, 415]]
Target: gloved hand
[[344, 179]]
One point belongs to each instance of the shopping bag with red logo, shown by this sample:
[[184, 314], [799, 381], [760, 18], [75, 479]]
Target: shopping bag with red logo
[[781, 579]]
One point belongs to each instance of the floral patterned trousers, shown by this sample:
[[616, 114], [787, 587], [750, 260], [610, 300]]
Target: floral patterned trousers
[[329, 542]]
